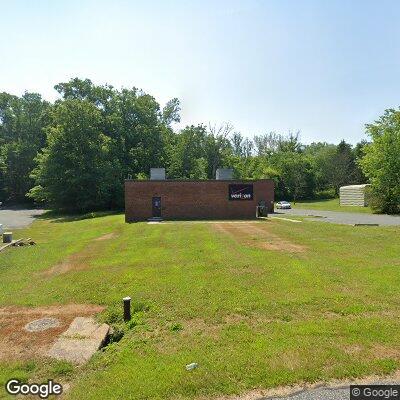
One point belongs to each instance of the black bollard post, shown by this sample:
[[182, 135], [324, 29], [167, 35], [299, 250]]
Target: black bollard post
[[127, 308]]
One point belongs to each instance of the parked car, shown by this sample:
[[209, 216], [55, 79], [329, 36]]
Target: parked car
[[283, 205]]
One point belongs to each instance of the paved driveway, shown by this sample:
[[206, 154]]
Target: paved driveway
[[329, 393], [14, 217], [345, 217], [342, 393]]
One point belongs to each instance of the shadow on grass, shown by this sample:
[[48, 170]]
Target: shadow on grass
[[63, 216]]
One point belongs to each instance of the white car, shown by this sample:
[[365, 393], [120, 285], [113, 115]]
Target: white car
[[283, 205]]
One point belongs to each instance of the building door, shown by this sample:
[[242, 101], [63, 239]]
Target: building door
[[156, 201]]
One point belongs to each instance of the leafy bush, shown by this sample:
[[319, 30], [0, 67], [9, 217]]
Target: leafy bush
[[381, 162], [176, 327], [61, 368], [113, 316]]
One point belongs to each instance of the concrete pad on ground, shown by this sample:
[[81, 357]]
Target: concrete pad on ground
[[80, 341]]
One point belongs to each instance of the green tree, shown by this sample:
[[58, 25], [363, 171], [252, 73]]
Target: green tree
[[297, 180], [22, 123], [290, 143], [381, 162], [74, 171], [170, 112], [343, 168], [217, 148], [126, 132], [321, 156], [186, 154], [358, 152], [139, 130], [267, 143]]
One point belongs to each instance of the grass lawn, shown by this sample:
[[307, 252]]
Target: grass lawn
[[256, 305], [329, 205]]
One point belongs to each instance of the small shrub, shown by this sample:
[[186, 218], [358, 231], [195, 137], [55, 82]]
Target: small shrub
[[140, 306], [137, 319], [113, 316], [30, 366], [114, 313], [117, 333], [119, 330], [22, 371], [380, 203], [176, 327], [61, 368], [375, 202]]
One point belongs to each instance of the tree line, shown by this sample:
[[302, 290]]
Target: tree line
[[75, 153]]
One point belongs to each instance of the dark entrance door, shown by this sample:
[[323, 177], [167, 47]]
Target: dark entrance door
[[156, 201]]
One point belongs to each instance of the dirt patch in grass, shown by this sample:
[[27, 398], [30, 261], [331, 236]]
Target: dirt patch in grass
[[82, 259], [197, 326], [214, 327], [381, 351], [252, 235], [353, 349], [16, 343], [107, 236]]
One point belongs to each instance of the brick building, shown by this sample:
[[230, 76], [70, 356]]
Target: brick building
[[201, 199]]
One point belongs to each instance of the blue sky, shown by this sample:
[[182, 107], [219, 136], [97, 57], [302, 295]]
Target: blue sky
[[322, 67]]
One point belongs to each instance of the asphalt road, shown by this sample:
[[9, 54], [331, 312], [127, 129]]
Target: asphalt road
[[317, 394], [327, 393], [14, 217], [344, 217]]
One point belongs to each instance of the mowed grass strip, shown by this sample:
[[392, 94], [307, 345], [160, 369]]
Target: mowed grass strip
[[329, 205], [252, 315]]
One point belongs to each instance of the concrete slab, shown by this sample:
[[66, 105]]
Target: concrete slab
[[42, 324], [80, 341]]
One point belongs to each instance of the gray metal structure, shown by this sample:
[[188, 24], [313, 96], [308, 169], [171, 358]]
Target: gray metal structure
[[157, 174], [223, 174], [354, 195]]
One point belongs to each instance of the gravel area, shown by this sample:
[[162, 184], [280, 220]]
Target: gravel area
[[327, 393], [14, 218]]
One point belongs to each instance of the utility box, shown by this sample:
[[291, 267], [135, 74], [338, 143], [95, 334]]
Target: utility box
[[157, 174], [7, 237], [224, 174]]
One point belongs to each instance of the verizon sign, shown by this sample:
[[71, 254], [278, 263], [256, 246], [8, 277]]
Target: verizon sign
[[240, 192]]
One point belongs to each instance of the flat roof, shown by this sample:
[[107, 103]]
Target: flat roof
[[355, 186]]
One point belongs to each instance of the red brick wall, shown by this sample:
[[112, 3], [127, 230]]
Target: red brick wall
[[193, 199]]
